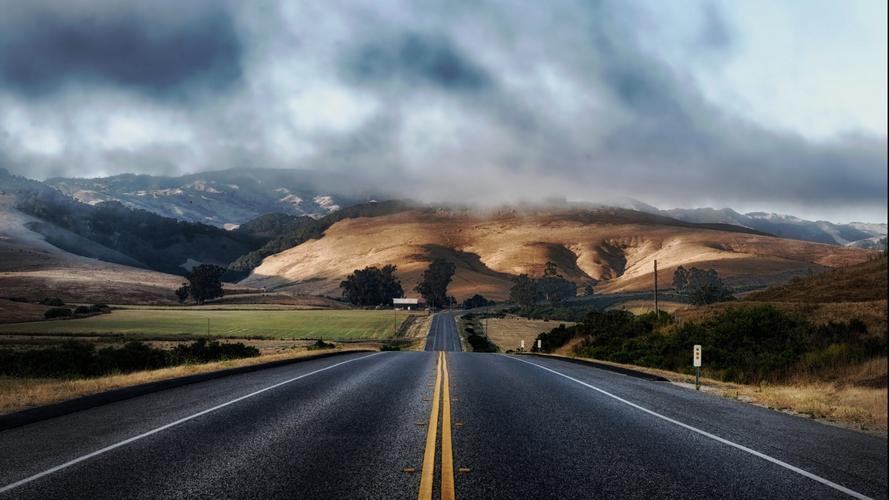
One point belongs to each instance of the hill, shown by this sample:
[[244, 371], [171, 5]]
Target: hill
[[225, 198], [113, 232], [871, 236], [32, 268], [862, 282], [611, 248]]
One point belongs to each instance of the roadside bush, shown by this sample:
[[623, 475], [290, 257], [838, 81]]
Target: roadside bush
[[321, 344], [57, 312], [82, 359], [100, 308], [742, 344], [202, 351], [480, 343], [52, 301], [82, 310], [389, 347]]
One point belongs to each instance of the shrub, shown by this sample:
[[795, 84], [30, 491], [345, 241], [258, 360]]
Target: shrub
[[52, 301], [389, 347], [57, 312], [480, 343], [321, 344], [100, 308], [82, 310], [82, 359]]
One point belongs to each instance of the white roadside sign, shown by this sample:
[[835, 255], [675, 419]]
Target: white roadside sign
[[697, 355]]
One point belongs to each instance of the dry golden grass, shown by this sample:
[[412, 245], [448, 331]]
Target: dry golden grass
[[509, 332], [872, 313], [857, 283], [842, 403], [489, 249], [18, 394]]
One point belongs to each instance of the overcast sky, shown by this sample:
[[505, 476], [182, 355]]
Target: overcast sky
[[757, 105]]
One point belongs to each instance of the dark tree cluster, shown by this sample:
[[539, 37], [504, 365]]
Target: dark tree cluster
[[372, 286], [552, 287], [477, 301], [434, 284], [700, 286], [204, 283]]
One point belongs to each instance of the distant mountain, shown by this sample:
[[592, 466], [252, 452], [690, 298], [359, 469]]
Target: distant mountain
[[116, 233], [225, 198], [856, 234]]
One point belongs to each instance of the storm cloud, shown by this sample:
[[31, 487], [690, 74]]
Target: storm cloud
[[460, 101], [45, 46]]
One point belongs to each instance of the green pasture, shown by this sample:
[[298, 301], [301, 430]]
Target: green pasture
[[327, 324]]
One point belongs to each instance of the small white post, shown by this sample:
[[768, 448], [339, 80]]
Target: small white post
[[523, 345], [539, 344], [696, 361]]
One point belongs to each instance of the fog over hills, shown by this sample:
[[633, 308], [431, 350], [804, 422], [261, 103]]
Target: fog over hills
[[232, 197], [221, 198]]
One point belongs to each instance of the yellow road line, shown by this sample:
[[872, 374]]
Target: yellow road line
[[447, 455], [428, 474]]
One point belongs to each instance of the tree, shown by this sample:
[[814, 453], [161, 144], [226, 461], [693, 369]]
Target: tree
[[182, 293], [523, 291], [550, 269], [477, 301], [434, 285], [372, 286], [700, 286], [205, 282], [588, 291], [680, 280], [555, 289]]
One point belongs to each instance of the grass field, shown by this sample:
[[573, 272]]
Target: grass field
[[327, 324]]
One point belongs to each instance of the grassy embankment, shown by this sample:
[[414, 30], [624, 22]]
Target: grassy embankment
[[21, 393], [815, 346]]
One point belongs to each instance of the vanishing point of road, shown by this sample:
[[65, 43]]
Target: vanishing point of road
[[437, 424]]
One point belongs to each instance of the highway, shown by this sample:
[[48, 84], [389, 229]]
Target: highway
[[443, 334], [437, 424]]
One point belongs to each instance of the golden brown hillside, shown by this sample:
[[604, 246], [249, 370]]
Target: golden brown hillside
[[613, 248], [866, 281]]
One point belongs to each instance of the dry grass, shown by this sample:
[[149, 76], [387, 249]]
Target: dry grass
[[842, 403], [509, 332], [873, 313], [18, 394], [857, 283], [489, 249]]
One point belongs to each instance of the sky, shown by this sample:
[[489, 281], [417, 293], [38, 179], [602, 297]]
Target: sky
[[755, 105]]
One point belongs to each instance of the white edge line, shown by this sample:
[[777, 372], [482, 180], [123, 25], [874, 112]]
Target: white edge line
[[826, 482], [127, 441]]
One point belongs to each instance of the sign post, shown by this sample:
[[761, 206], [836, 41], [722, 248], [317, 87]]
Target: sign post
[[539, 344], [696, 359], [523, 345]]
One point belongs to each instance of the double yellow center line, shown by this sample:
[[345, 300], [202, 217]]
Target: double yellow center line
[[440, 392]]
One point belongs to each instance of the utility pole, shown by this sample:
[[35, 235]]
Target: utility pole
[[656, 311]]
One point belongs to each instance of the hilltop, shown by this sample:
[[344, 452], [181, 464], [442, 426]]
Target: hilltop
[[613, 249]]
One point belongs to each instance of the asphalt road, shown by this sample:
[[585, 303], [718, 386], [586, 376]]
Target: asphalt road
[[443, 334], [358, 426]]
